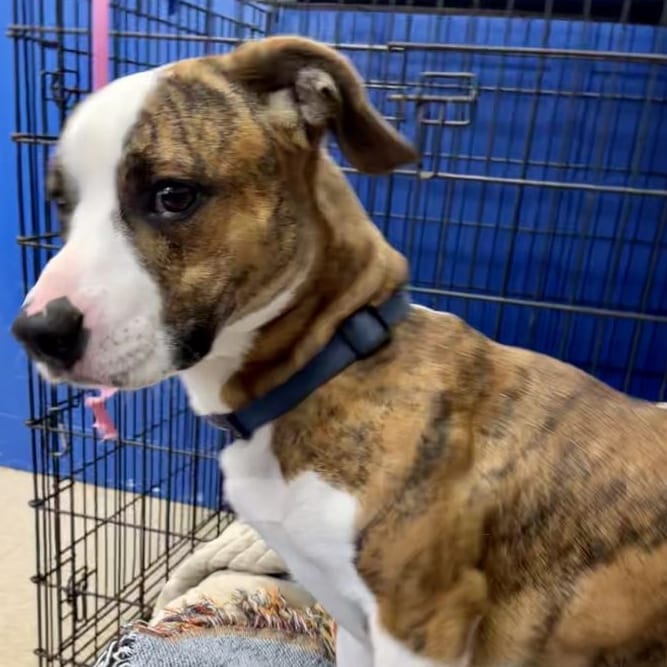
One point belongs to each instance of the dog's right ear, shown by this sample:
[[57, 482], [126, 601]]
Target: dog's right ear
[[324, 92]]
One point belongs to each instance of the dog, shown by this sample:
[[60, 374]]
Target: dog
[[449, 500]]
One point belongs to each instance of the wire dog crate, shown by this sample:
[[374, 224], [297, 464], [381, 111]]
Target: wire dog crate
[[538, 213]]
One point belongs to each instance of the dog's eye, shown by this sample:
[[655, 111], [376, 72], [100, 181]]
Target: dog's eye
[[63, 206], [61, 202], [172, 200]]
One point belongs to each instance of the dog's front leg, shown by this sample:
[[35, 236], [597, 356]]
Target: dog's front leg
[[350, 652]]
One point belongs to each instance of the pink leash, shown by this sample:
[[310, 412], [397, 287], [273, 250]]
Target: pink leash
[[100, 42]]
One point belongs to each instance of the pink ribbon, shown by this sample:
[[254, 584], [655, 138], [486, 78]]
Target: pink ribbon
[[100, 42]]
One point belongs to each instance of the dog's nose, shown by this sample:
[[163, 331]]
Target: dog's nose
[[54, 335]]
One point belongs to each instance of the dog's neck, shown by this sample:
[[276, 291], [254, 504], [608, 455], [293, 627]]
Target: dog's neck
[[350, 266]]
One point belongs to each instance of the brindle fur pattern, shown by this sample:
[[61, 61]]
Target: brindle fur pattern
[[230, 125], [505, 493], [512, 488]]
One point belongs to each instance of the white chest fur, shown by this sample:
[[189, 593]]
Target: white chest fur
[[306, 520], [311, 525]]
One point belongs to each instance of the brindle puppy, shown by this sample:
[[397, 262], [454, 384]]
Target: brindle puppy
[[450, 500]]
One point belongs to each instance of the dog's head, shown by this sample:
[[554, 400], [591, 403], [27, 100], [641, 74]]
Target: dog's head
[[183, 193]]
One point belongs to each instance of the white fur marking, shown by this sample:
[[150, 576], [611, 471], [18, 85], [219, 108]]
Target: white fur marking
[[350, 652], [311, 524], [307, 521], [97, 269]]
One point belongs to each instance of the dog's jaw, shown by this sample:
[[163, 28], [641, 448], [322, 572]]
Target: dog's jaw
[[204, 381]]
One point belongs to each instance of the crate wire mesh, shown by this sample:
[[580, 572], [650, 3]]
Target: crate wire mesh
[[538, 212], [112, 519]]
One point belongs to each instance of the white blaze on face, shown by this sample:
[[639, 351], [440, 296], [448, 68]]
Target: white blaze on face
[[97, 269]]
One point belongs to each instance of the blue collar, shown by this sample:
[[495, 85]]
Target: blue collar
[[358, 337]]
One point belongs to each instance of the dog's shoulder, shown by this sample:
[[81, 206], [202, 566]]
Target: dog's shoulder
[[481, 468], [546, 479]]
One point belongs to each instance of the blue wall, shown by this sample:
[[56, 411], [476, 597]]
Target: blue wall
[[14, 443], [491, 242], [496, 248]]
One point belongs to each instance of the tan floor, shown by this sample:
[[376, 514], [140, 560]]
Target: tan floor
[[113, 552], [18, 608]]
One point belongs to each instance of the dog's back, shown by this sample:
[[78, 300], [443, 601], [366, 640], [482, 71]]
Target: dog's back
[[580, 502], [526, 470]]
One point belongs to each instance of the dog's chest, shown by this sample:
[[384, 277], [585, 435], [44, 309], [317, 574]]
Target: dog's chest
[[308, 522]]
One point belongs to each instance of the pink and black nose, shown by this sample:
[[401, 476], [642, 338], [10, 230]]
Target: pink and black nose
[[54, 335]]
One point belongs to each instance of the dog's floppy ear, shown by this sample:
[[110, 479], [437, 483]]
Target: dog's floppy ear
[[328, 94]]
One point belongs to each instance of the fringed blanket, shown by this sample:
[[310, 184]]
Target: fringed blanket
[[230, 603], [253, 630]]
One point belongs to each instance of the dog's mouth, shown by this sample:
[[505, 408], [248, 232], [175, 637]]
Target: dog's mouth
[[85, 376], [79, 378], [101, 391], [96, 402], [58, 376]]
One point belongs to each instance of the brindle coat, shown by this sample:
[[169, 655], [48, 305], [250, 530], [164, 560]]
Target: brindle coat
[[510, 486]]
